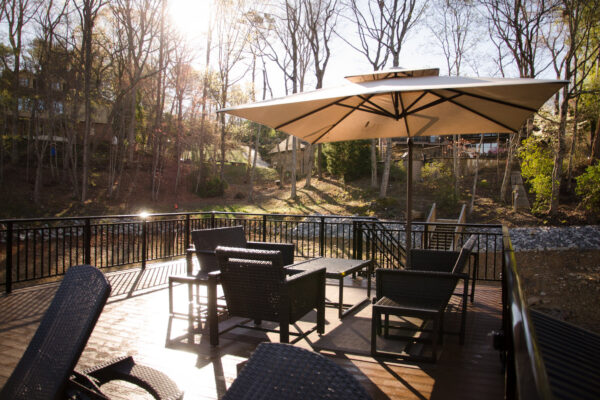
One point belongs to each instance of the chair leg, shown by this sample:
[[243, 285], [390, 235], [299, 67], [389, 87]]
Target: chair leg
[[387, 325], [436, 335], [257, 322], [375, 330], [170, 296], [321, 318]]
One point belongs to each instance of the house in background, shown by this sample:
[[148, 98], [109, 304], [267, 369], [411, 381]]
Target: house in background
[[281, 156]]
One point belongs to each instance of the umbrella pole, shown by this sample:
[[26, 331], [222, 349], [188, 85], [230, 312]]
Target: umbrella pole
[[409, 177]]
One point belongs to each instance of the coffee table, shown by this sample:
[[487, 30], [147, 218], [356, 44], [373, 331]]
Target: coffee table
[[338, 268]]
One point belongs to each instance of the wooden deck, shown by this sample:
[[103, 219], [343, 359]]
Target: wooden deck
[[135, 321]]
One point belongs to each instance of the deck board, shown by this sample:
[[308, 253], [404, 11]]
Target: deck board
[[135, 322]]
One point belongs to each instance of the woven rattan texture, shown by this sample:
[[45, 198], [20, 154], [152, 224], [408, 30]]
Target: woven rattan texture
[[279, 371], [44, 369]]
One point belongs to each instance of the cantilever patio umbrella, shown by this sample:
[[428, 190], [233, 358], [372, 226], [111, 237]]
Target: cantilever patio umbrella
[[403, 103]]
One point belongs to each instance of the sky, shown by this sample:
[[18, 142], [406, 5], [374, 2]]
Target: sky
[[420, 51]]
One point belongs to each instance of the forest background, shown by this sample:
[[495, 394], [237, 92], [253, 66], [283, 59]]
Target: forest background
[[99, 98]]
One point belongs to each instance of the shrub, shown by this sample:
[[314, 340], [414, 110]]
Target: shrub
[[588, 187], [536, 167], [437, 177], [350, 159]]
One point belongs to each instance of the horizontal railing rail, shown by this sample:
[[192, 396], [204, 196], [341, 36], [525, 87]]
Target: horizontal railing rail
[[526, 376], [44, 248]]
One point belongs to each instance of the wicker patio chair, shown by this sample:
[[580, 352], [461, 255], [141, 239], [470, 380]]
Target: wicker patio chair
[[282, 371], [421, 294], [443, 260], [205, 242], [258, 287], [46, 370]]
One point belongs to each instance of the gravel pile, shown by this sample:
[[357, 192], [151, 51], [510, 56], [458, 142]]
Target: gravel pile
[[585, 237]]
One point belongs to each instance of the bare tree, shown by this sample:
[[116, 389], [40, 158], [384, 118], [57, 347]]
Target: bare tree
[[47, 104], [88, 12], [382, 28], [17, 14], [231, 34], [453, 24], [581, 26], [516, 27], [319, 25], [291, 52]]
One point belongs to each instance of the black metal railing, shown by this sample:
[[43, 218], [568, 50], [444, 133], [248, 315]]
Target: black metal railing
[[38, 249], [526, 376]]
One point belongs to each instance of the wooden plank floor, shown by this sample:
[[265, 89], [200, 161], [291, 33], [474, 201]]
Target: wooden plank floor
[[135, 321]]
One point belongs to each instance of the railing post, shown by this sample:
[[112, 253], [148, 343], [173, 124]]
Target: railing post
[[9, 238], [144, 242], [354, 234], [426, 237], [264, 228], [322, 237], [212, 220], [187, 232], [87, 242], [359, 241]]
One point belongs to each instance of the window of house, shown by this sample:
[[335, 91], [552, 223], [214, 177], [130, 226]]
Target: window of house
[[24, 104], [59, 107], [23, 81], [55, 85]]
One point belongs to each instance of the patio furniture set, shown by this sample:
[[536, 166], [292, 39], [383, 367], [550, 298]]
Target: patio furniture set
[[260, 282]]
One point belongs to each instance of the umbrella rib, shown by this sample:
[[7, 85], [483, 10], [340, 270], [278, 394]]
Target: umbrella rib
[[312, 112], [339, 121], [372, 110], [505, 103], [428, 105], [451, 100], [367, 100]]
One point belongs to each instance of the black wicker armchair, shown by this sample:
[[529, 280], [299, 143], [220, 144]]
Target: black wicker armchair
[[46, 370], [443, 260], [282, 371], [421, 294], [205, 242], [257, 286]]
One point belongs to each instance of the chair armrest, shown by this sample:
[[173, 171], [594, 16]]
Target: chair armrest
[[158, 384], [286, 249], [307, 287], [415, 284]]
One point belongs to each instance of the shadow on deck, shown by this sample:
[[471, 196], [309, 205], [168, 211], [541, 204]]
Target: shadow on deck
[[135, 321]]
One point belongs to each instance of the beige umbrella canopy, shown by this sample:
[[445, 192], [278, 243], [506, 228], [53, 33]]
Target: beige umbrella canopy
[[403, 103]]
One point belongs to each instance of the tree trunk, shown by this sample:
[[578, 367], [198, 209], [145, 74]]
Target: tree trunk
[[573, 145], [374, 163], [559, 154], [505, 188], [253, 171], [474, 190], [309, 164], [320, 161], [386, 168], [293, 177], [595, 152]]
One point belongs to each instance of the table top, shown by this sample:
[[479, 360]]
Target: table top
[[333, 266]]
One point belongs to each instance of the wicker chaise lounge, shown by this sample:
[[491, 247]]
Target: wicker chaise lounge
[[422, 294], [46, 370], [278, 371], [257, 286]]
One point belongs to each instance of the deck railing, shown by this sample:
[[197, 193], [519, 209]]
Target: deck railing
[[526, 376], [38, 249]]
